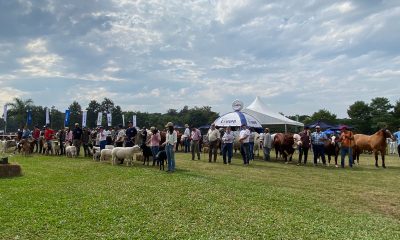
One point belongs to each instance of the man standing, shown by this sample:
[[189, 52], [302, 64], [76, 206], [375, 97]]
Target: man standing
[[267, 144], [227, 145], [131, 133], [213, 136], [185, 138], [318, 139], [77, 138], [195, 136], [85, 141], [119, 141], [36, 135], [397, 136], [347, 140], [304, 145], [48, 136], [244, 144]]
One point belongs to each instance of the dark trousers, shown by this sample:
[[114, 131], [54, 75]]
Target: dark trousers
[[77, 143], [245, 151], [303, 151], [398, 149], [195, 148], [251, 148], [227, 149], [319, 152], [86, 151], [62, 148], [213, 148]]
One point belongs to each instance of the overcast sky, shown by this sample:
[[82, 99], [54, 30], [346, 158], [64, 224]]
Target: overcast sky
[[152, 55]]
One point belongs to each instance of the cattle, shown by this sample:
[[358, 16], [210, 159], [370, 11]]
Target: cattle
[[331, 148], [284, 144], [146, 150], [375, 143]]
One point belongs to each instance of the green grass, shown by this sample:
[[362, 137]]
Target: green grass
[[62, 198]]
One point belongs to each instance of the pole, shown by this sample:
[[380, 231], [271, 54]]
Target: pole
[[285, 128]]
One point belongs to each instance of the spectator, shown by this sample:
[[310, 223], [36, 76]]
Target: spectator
[[267, 144], [119, 141], [109, 136], [170, 144], [102, 138], [131, 133], [61, 139], [185, 138], [304, 145], [195, 142], [26, 133], [397, 136], [85, 141], [227, 145], [77, 138], [318, 139], [244, 144], [213, 137], [68, 135], [155, 140]]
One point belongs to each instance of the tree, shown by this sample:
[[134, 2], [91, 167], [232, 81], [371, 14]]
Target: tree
[[92, 111], [18, 111], [324, 115], [75, 113], [380, 112], [395, 123], [360, 114]]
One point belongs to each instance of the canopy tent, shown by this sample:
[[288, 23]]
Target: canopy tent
[[266, 117], [237, 119], [204, 127], [320, 123]]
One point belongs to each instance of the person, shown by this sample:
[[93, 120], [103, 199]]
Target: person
[[109, 139], [213, 137], [26, 133], [48, 136], [85, 141], [102, 138], [304, 145], [61, 139], [143, 135], [68, 135], [347, 142], [397, 136], [119, 141], [19, 134], [77, 138], [195, 137], [131, 133], [227, 145], [170, 144], [251, 143], [267, 144], [185, 138], [36, 135], [318, 139], [155, 140], [244, 144]]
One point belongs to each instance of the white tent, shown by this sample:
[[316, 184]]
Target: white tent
[[266, 117]]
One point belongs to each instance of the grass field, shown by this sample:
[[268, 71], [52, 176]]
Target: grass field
[[61, 198]]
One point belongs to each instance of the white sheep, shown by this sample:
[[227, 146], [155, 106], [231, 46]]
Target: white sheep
[[109, 147], [105, 154], [125, 153], [95, 151], [70, 151]]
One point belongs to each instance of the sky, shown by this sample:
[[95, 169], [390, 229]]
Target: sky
[[154, 55]]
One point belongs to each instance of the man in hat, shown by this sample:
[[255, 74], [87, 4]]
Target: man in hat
[[213, 137], [186, 138], [318, 140], [131, 133], [304, 145], [77, 138], [195, 136], [397, 136], [347, 140], [244, 136], [267, 144]]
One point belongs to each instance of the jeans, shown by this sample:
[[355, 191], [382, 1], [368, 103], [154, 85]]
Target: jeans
[[346, 151], [319, 151], [267, 151], [186, 143], [77, 144], [195, 148], [245, 151], [303, 151], [227, 148], [103, 144], [154, 151], [251, 149], [169, 149]]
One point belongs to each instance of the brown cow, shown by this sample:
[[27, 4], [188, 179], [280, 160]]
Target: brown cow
[[283, 144], [375, 143]]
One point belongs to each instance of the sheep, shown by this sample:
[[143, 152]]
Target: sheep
[[105, 154], [56, 148], [70, 151], [125, 153], [95, 152], [109, 147]]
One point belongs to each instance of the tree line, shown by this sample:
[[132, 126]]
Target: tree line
[[17, 115], [364, 117]]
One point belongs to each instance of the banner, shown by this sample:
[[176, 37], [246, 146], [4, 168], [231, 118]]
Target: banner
[[84, 117], [134, 121], [123, 120], [5, 113], [66, 120], [28, 117], [47, 116], [99, 118], [109, 119]]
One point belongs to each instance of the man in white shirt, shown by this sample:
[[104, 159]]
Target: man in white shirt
[[213, 137], [244, 144], [185, 138], [227, 145]]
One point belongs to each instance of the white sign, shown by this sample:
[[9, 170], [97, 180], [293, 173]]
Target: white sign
[[237, 105], [123, 120], [109, 119], [47, 116], [134, 121], [99, 118], [84, 117], [5, 113]]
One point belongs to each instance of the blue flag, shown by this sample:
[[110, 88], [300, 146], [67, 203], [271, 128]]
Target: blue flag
[[28, 117], [66, 120]]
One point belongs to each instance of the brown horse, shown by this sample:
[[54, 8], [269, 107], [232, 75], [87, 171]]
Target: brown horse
[[375, 143]]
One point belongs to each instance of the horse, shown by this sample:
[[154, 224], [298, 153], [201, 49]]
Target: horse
[[375, 143]]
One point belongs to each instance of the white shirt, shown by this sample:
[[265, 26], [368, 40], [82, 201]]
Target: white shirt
[[228, 137], [213, 135], [171, 139], [186, 134], [245, 133]]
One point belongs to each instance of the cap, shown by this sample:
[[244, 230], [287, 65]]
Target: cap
[[169, 124], [317, 126], [186, 125], [152, 128], [76, 124], [343, 128]]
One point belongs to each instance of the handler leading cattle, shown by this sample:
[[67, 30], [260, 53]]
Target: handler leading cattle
[[318, 139], [347, 140]]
